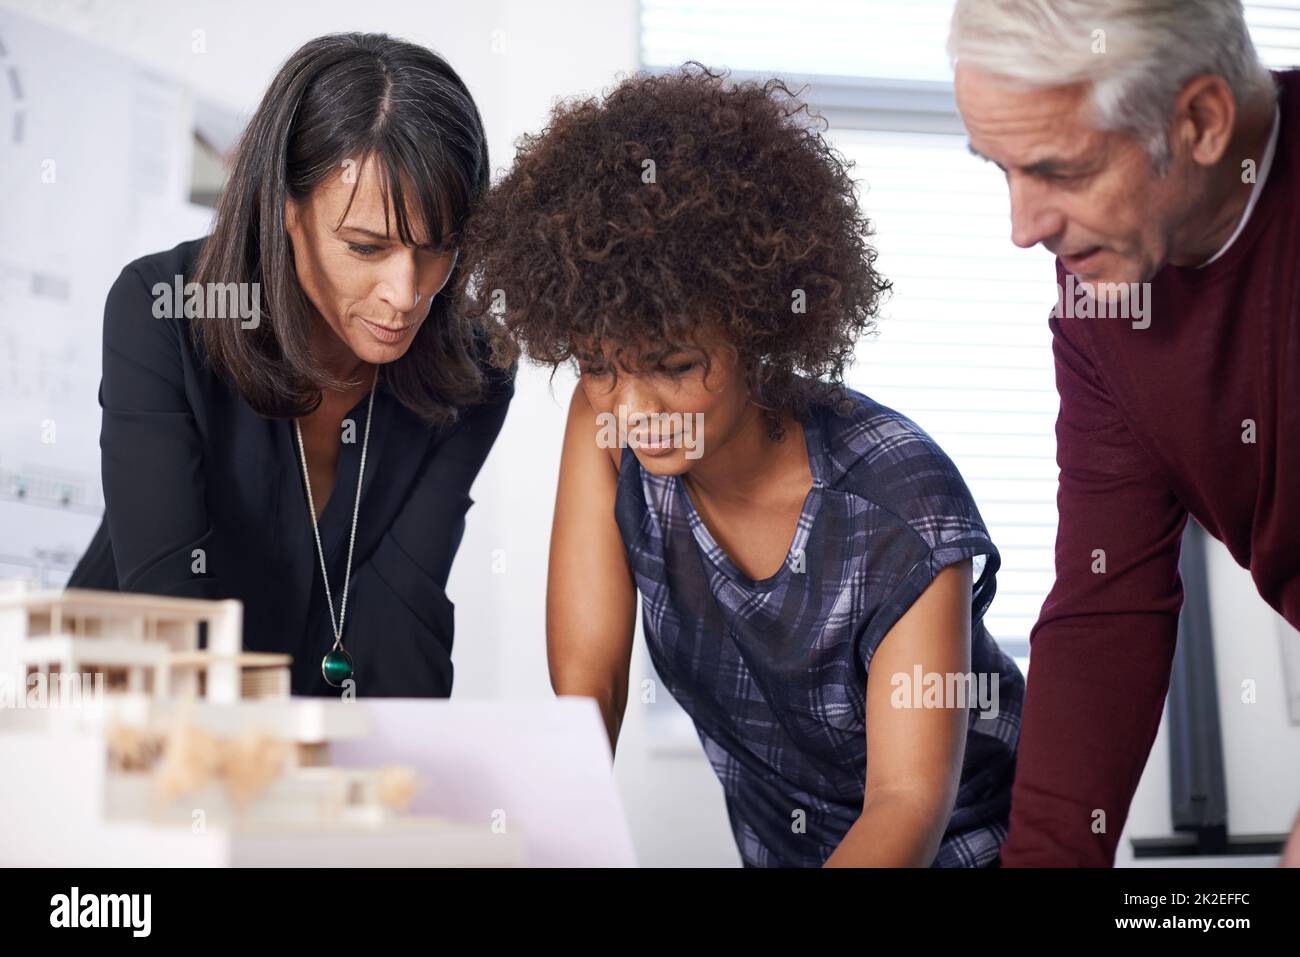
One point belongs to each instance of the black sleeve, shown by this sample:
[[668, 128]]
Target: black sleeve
[[151, 452]]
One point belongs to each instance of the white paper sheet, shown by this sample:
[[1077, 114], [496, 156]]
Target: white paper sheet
[[540, 765]]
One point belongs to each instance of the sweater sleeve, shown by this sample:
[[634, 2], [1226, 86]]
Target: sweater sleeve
[[151, 453], [1101, 651]]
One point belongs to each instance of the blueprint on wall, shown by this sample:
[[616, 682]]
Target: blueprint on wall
[[94, 164]]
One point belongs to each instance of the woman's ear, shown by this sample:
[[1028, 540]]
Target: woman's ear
[[290, 214]]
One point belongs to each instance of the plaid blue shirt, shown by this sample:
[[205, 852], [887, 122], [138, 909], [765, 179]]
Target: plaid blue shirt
[[773, 672]]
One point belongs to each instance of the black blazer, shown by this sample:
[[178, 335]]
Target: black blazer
[[188, 465]]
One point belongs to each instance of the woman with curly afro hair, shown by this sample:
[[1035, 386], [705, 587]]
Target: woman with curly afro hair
[[813, 571]]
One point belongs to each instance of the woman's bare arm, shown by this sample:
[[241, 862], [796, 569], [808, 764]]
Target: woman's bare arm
[[914, 754], [590, 594]]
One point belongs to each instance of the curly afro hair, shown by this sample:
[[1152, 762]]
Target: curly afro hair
[[683, 208]]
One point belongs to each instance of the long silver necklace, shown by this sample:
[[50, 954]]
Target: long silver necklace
[[336, 666]]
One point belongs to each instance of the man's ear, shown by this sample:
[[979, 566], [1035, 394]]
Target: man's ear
[[1205, 114]]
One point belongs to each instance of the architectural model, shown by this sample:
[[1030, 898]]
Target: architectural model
[[135, 730]]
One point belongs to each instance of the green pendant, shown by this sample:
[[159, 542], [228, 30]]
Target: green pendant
[[337, 667]]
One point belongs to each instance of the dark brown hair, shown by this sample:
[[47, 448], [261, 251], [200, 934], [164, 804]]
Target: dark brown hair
[[682, 207], [363, 95]]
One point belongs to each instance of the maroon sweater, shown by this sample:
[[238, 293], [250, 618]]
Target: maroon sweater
[[1153, 426]]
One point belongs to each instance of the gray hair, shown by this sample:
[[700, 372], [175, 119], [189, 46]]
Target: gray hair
[[1136, 54]]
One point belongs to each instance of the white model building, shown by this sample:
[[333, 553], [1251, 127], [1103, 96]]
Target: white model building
[[122, 742]]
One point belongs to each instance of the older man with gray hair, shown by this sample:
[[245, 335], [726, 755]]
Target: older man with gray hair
[[1147, 147]]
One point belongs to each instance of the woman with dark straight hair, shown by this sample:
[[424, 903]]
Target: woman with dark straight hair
[[293, 414]]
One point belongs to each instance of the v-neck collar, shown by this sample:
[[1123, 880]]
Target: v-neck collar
[[812, 433]]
